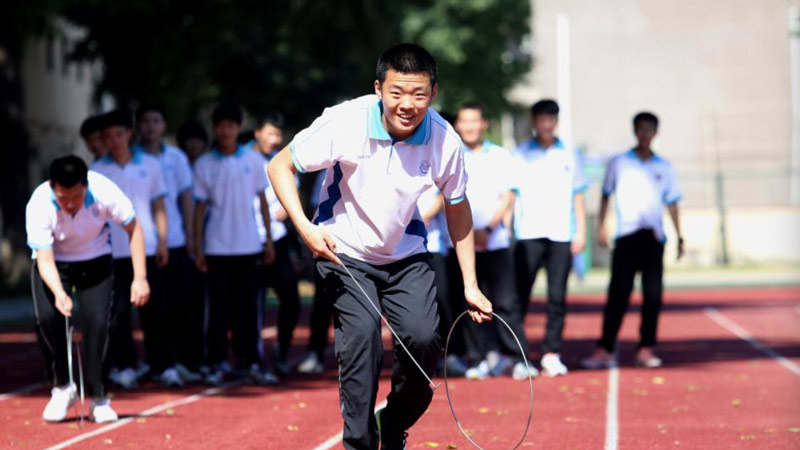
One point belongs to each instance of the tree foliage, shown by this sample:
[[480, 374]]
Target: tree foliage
[[295, 56]]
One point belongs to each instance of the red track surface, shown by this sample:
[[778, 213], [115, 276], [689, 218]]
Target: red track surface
[[715, 391]]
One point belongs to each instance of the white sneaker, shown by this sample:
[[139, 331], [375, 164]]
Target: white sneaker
[[171, 378], [102, 411], [552, 365], [226, 368], [214, 378], [125, 378], [479, 372], [61, 399], [311, 365], [142, 369], [502, 366], [520, 372], [187, 375]]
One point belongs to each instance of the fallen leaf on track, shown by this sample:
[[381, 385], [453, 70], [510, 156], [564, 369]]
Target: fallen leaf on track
[[108, 441], [736, 403], [141, 420], [502, 412], [794, 430], [563, 388], [170, 412], [658, 380], [431, 444], [451, 446], [301, 405], [747, 437], [292, 428], [640, 392], [483, 410]]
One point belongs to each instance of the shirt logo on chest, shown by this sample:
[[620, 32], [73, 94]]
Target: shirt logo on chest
[[424, 167]]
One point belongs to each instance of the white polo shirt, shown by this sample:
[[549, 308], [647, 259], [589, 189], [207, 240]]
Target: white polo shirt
[[229, 183], [178, 179], [641, 188], [81, 236], [142, 180], [277, 227], [488, 170], [369, 196], [547, 180], [438, 236]]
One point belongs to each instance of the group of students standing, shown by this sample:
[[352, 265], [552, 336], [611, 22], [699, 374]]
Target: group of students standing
[[429, 217]]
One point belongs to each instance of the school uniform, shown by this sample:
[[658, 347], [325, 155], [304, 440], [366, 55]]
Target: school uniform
[[369, 207], [80, 244], [142, 180], [641, 189], [322, 307], [493, 264], [228, 184], [280, 275], [177, 273], [544, 224]]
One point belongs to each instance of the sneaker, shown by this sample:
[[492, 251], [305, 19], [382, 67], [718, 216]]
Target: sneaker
[[102, 411], [521, 372], [600, 359], [142, 369], [311, 365], [226, 368], [280, 364], [478, 372], [125, 378], [214, 377], [456, 367], [552, 365], [389, 441], [647, 359], [170, 378], [503, 365], [187, 375], [61, 399], [262, 377]]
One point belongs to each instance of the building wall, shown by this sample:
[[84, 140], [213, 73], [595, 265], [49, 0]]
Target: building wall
[[717, 74]]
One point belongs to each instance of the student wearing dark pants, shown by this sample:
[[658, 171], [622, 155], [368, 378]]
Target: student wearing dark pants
[[382, 151], [140, 177], [491, 348], [227, 179], [151, 124], [643, 184], [280, 275], [66, 221], [549, 222]]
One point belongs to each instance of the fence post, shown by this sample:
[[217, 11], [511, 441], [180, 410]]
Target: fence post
[[719, 185]]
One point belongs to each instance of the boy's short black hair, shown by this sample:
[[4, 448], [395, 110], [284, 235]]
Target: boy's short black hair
[[90, 126], [645, 116], [117, 117], [407, 58], [227, 111], [273, 118], [150, 107], [546, 106], [473, 105], [191, 129], [68, 171]]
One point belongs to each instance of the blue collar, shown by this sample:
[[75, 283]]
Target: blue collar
[[375, 129], [654, 157], [136, 157], [533, 144], [240, 149], [138, 147], [88, 200]]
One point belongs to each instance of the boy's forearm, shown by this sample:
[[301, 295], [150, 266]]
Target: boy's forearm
[[282, 173], [459, 223]]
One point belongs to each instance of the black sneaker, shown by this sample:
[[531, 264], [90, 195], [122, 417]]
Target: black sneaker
[[390, 441]]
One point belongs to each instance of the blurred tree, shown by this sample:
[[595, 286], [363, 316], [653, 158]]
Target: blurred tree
[[297, 56]]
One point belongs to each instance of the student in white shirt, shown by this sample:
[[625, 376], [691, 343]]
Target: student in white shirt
[[549, 222], [491, 196], [140, 177], [280, 275], [382, 151], [67, 225], [151, 125], [227, 245], [643, 184]]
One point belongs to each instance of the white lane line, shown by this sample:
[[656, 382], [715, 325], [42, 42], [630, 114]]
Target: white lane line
[[612, 410], [744, 335], [336, 438], [148, 412], [20, 391]]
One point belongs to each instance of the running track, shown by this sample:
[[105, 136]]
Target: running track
[[731, 380]]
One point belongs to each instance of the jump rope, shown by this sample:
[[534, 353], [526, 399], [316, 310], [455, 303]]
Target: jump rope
[[446, 348], [70, 331]]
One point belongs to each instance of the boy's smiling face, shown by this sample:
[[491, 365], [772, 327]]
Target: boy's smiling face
[[406, 98]]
